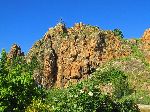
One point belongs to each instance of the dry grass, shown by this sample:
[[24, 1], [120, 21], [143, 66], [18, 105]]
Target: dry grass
[[144, 108]]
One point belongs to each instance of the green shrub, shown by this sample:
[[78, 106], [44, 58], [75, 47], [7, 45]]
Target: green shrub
[[79, 98], [86, 96], [128, 106], [17, 87], [136, 51], [118, 32], [20, 93], [38, 105], [64, 34], [141, 97], [118, 80], [139, 54]]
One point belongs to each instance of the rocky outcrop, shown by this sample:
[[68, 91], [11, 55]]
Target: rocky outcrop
[[15, 51], [70, 55], [146, 36], [50, 68], [145, 47]]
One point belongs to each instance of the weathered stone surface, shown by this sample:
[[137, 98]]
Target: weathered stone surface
[[145, 47], [70, 55], [50, 67], [15, 51], [146, 36]]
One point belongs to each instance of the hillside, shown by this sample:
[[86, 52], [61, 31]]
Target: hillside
[[118, 67], [72, 54]]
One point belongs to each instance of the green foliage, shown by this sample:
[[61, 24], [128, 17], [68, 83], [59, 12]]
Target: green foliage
[[118, 80], [75, 99], [141, 97], [128, 105], [87, 97], [18, 91], [138, 54], [34, 64], [136, 51], [118, 32], [64, 34], [38, 105], [17, 87]]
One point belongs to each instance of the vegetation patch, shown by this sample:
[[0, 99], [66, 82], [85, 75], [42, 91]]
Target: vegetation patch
[[17, 87]]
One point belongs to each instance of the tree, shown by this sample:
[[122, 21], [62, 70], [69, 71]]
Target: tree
[[17, 87], [118, 32]]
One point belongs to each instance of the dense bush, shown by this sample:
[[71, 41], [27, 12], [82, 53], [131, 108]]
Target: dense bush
[[18, 91], [117, 78], [79, 98], [17, 87], [140, 97], [38, 105], [87, 97]]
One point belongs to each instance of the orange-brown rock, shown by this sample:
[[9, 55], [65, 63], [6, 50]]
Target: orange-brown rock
[[145, 46], [50, 67], [15, 51], [70, 55], [146, 36]]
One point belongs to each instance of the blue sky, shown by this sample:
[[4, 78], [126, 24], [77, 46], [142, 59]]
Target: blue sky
[[25, 21]]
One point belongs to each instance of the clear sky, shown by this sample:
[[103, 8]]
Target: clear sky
[[25, 21]]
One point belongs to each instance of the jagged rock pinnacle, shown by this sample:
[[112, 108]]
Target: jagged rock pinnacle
[[15, 51]]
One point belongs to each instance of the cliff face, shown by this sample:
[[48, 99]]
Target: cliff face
[[146, 36], [145, 47], [70, 55]]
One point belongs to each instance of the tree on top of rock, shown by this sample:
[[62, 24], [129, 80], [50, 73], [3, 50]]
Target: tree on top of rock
[[118, 32]]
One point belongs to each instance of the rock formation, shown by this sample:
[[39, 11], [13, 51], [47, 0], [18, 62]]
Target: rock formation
[[146, 36], [70, 55], [145, 47], [15, 51]]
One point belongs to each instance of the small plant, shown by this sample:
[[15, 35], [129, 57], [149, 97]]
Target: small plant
[[138, 54], [64, 35], [118, 32], [38, 105], [136, 51]]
